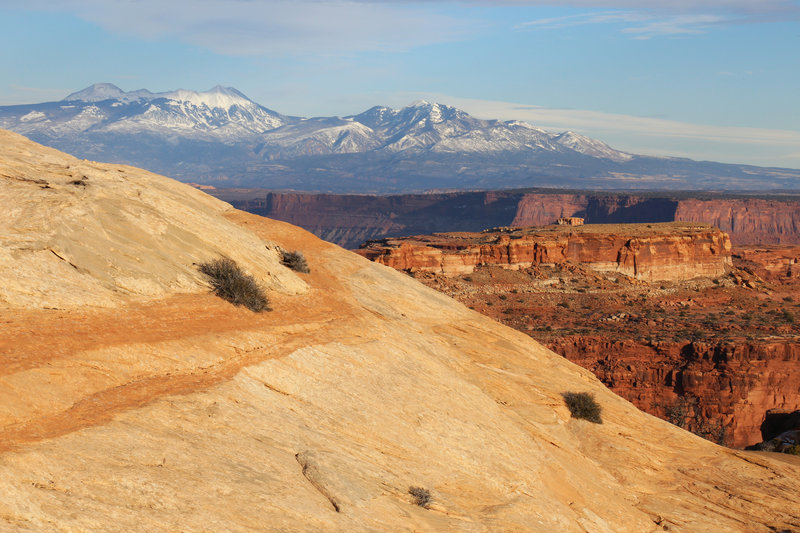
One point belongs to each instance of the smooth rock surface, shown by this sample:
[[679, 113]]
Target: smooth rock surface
[[76, 232]]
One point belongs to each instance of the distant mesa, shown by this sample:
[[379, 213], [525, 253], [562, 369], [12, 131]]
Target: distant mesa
[[650, 252], [349, 220]]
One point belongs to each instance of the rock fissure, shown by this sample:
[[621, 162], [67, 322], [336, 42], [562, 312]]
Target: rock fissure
[[311, 473]]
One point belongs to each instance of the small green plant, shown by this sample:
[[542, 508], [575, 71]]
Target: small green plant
[[794, 449], [296, 261], [422, 497], [232, 284], [583, 405]]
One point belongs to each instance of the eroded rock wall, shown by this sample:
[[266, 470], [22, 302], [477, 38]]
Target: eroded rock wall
[[731, 383], [650, 252], [349, 220]]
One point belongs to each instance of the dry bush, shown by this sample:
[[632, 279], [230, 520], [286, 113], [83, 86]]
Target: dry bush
[[296, 261], [583, 405], [232, 284], [422, 497]]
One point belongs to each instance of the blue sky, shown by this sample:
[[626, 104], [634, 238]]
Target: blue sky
[[707, 79]]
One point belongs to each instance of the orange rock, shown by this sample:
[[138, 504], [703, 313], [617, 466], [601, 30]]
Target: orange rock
[[651, 252]]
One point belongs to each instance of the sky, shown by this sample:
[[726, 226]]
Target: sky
[[707, 79]]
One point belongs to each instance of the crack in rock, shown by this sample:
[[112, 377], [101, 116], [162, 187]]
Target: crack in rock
[[313, 475]]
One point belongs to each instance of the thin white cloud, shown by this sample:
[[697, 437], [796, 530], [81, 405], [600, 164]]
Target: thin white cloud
[[270, 27], [277, 27], [640, 24], [684, 24]]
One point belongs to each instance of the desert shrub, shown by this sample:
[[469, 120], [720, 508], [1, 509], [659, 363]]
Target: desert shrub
[[296, 261], [232, 284], [422, 497], [583, 405], [794, 449]]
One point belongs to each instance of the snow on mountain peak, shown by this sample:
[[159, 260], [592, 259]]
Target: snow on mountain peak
[[222, 97], [96, 93], [216, 97], [589, 146]]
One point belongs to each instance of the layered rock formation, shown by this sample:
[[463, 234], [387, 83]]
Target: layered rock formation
[[719, 389], [173, 410], [748, 220], [349, 220], [649, 252]]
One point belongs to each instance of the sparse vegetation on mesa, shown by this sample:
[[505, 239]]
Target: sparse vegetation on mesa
[[296, 261], [422, 497], [583, 405], [231, 283]]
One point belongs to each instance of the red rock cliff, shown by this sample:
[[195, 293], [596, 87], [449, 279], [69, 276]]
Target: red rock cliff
[[648, 252], [748, 221], [349, 220], [733, 383]]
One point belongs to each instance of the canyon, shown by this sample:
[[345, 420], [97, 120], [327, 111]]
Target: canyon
[[135, 399], [349, 220], [669, 316]]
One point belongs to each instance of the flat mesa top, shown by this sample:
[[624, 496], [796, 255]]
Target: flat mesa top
[[491, 235]]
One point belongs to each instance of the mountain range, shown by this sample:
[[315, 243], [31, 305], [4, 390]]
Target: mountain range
[[220, 137]]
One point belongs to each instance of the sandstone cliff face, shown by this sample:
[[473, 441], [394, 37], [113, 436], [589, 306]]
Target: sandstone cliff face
[[349, 220], [733, 383], [184, 413], [648, 252], [749, 221]]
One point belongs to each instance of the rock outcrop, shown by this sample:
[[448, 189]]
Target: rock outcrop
[[650, 252], [177, 411], [349, 220], [773, 263]]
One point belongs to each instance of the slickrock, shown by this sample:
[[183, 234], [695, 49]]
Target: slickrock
[[77, 232], [650, 252], [181, 412]]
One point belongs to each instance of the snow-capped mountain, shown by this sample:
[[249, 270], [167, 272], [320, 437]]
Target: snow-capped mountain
[[425, 127], [222, 137], [221, 113]]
